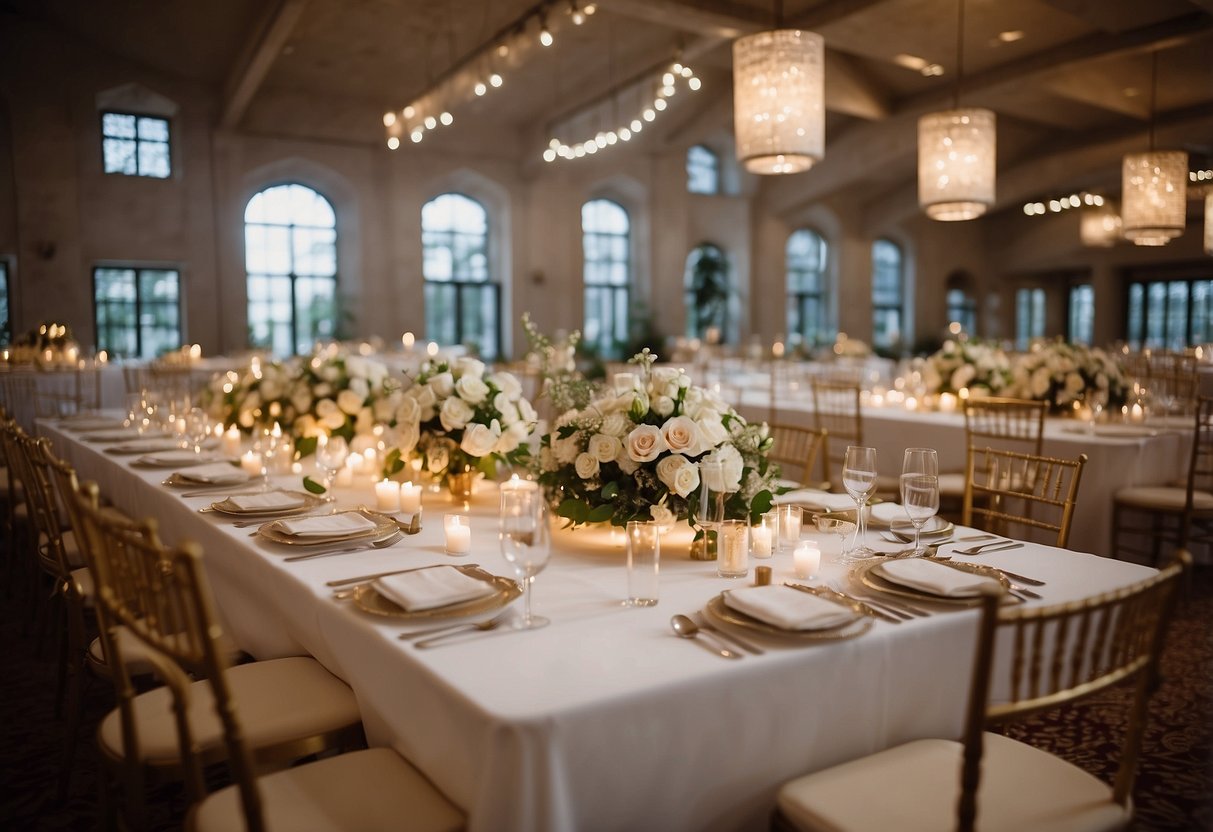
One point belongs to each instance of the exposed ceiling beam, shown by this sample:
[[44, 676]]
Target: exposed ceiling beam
[[1165, 35], [257, 58], [726, 19]]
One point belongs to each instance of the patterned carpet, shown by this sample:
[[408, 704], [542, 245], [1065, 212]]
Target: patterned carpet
[[1174, 790]]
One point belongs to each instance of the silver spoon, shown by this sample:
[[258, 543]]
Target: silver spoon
[[686, 628], [391, 540]]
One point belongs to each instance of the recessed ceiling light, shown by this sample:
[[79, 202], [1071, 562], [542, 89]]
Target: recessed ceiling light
[[910, 62], [1011, 36]]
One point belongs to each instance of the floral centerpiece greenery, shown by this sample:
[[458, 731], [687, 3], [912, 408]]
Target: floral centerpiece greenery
[[459, 419], [635, 454], [984, 369], [1062, 374], [556, 362], [334, 392]]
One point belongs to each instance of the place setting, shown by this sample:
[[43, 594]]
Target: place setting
[[342, 532], [213, 474], [180, 457]]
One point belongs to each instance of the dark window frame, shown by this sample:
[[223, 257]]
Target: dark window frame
[[1070, 310], [1185, 273], [168, 143], [800, 299], [6, 284], [138, 270], [714, 166], [463, 287], [900, 306], [618, 295]]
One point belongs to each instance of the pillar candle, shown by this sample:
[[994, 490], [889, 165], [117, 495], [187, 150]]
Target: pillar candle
[[251, 463], [410, 498], [458, 534], [230, 444], [807, 560], [387, 496]]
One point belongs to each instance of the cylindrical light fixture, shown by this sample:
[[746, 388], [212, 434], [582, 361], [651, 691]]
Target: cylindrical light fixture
[[778, 100], [1209, 223], [956, 150], [1101, 226], [1154, 196]]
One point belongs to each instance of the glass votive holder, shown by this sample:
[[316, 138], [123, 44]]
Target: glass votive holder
[[733, 549], [790, 518], [644, 562], [764, 535], [458, 534], [807, 560]]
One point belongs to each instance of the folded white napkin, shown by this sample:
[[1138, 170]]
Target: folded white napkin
[[327, 525], [270, 501], [143, 446], [934, 578], [822, 500], [179, 456], [787, 608], [886, 513], [426, 589], [216, 473]]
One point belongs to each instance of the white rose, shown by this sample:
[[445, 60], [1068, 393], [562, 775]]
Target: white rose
[[616, 424], [376, 372], [731, 465], [301, 399], [364, 422], [507, 442], [526, 412], [1074, 384], [686, 479], [322, 390], [330, 373], [443, 384], [645, 443], [1039, 383], [663, 406], [333, 420], [626, 465], [469, 367], [963, 375], [566, 450], [605, 448], [682, 435], [667, 468], [325, 407], [356, 366], [409, 411], [507, 383], [711, 429], [586, 465], [455, 413], [407, 436], [471, 389], [663, 375], [479, 440], [349, 401], [662, 515]]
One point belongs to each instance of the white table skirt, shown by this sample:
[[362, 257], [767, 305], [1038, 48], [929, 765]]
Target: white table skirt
[[1114, 462], [604, 720]]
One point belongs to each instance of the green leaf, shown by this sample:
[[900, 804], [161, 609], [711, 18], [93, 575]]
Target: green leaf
[[610, 490], [760, 505], [573, 509], [312, 486], [305, 446], [600, 514], [566, 431]]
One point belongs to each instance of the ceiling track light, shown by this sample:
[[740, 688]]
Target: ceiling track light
[[466, 78]]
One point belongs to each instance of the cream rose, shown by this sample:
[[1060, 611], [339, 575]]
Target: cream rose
[[455, 413], [471, 389], [467, 366], [586, 465], [479, 440], [443, 384], [645, 443], [678, 474], [615, 424], [349, 402], [605, 448], [663, 405], [682, 435], [507, 383]]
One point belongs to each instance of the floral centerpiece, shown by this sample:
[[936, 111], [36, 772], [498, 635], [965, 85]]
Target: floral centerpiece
[[635, 454], [459, 419], [1063, 374], [982, 369]]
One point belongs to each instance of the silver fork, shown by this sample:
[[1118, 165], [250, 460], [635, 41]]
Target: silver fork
[[997, 546], [490, 624], [391, 540]]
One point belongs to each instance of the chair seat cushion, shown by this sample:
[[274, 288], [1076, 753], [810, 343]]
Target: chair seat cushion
[[135, 653], [277, 701], [1163, 498], [367, 790], [915, 788]]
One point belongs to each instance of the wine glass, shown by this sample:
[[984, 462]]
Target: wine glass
[[198, 427], [920, 499], [1095, 400], [859, 480], [331, 452], [524, 535], [712, 498]]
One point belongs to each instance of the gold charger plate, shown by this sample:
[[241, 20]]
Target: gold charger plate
[[272, 531], [187, 459], [718, 609], [935, 527], [310, 501], [368, 599], [864, 573], [179, 480]]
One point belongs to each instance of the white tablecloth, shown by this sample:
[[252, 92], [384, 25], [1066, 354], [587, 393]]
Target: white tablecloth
[[604, 720], [1114, 462]]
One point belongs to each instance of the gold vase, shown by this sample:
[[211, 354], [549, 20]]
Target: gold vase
[[705, 547], [460, 483]]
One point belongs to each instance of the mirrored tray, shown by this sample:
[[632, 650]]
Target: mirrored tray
[[873, 580], [719, 610], [272, 531], [368, 599], [306, 503]]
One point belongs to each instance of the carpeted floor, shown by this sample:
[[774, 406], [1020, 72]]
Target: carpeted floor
[[1174, 788]]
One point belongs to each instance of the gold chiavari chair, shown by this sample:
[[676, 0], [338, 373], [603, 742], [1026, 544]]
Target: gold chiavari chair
[[248, 715], [1017, 495], [1174, 514], [16, 512], [836, 413], [1056, 655], [293, 707], [1011, 424], [795, 449]]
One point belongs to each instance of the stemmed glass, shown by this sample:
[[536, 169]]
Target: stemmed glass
[[331, 452], [920, 490], [859, 480], [198, 428], [524, 534], [1095, 400]]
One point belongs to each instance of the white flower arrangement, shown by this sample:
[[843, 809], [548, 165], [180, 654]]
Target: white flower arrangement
[[982, 369], [636, 454], [1061, 374], [458, 418]]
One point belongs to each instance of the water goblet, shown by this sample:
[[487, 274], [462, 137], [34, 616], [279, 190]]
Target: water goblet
[[859, 480], [920, 499], [198, 427], [331, 452], [710, 511], [524, 535]]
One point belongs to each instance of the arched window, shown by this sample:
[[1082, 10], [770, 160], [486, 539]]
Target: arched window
[[703, 171], [607, 251], [888, 294], [708, 291], [808, 309], [961, 302], [462, 303], [290, 255]]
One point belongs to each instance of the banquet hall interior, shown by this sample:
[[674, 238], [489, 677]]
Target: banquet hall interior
[[239, 236]]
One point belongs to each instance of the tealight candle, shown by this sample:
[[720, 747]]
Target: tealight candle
[[458, 534], [387, 495], [947, 403], [760, 541], [251, 463], [230, 444], [807, 560], [410, 498], [354, 462]]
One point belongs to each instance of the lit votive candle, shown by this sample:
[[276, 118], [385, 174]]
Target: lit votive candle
[[230, 444], [947, 403], [761, 541], [807, 560], [1137, 413], [733, 549], [387, 495], [251, 463], [410, 498], [458, 534], [355, 462]]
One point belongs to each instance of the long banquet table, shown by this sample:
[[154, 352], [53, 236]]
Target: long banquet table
[[604, 720]]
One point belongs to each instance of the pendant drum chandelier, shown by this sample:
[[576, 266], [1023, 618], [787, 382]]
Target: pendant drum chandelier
[[1154, 187], [956, 154], [778, 99]]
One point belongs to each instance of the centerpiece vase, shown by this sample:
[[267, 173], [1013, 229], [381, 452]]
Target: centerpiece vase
[[460, 483], [704, 548]]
